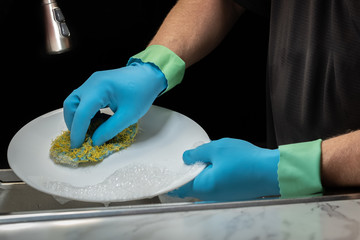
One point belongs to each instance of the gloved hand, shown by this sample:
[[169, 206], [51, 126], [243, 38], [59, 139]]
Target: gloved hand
[[128, 91], [237, 170]]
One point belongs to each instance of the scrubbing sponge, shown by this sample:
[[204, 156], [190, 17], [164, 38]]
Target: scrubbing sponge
[[62, 153]]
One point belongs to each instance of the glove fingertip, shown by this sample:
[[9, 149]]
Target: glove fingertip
[[199, 154], [99, 137], [75, 142], [188, 157], [97, 141]]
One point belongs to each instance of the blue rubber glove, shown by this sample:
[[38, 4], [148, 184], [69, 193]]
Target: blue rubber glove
[[128, 91], [237, 170]]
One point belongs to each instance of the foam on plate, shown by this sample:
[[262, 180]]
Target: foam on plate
[[128, 183]]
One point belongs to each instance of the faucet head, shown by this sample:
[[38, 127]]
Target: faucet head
[[56, 31]]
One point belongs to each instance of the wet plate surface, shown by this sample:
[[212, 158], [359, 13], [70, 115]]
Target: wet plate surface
[[151, 166]]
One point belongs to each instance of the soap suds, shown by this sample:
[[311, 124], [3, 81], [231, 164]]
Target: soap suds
[[128, 183]]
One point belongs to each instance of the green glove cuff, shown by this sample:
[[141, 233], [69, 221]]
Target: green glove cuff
[[172, 66], [299, 169]]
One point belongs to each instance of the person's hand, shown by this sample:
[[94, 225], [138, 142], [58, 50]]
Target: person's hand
[[237, 170], [128, 91]]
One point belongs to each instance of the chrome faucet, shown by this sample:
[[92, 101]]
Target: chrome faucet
[[56, 31]]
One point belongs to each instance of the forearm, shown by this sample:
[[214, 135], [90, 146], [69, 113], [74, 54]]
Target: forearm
[[341, 160], [193, 28]]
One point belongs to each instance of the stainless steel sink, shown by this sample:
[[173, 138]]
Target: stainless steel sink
[[21, 203]]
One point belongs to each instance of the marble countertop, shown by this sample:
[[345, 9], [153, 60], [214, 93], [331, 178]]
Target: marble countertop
[[313, 220]]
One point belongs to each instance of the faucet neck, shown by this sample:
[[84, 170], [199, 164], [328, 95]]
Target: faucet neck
[[45, 2]]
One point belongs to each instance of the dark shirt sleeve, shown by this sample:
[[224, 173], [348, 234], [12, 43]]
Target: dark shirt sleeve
[[261, 7]]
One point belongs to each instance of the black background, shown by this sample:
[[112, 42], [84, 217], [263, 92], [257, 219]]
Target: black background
[[224, 93]]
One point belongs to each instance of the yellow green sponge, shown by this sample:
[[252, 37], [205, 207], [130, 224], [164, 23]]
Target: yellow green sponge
[[62, 153]]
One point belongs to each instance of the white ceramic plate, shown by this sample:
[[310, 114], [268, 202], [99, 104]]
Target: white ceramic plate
[[151, 166]]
